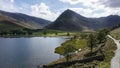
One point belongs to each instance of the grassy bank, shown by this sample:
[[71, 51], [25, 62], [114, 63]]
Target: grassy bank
[[81, 43], [116, 33], [108, 50], [32, 33]]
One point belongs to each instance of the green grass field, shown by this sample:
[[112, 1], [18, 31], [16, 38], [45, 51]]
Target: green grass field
[[52, 34], [116, 33]]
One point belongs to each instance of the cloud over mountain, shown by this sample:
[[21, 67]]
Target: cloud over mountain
[[111, 3], [43, 11], [51, 9]]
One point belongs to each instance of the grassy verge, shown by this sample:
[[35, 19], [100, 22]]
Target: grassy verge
[[108, 50], [116, 33], [79, 44], [52, 34]]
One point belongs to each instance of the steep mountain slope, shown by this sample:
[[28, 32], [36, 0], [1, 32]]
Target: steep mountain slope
[[109, 21], [69, 20], [7, 23], [25, 20]]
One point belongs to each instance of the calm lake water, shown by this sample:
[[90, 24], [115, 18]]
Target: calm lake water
[[28, 52]]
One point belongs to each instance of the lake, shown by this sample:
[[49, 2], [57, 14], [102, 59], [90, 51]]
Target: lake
[[28, 52]]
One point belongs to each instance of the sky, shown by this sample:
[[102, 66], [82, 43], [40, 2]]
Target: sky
[[51, 9]]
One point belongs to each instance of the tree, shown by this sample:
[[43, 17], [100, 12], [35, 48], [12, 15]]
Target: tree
[[68, 34], [44, 32], [101, 35], [56, 33], [29, 32], [92, 41], [68, 51], [83, 35]]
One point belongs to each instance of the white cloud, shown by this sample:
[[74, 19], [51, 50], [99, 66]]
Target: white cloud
[[111, 3], [70, 1], [93, 8], [89, 8], [73, 2], [43, 11], [82, 11], [12, 1], [87, 12], [38, 10], [8, 5]]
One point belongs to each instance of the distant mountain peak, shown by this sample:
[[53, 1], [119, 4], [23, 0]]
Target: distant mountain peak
[[70, 20], [70, 14], [68, 10]]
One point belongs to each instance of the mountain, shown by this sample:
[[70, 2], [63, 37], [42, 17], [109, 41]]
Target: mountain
[[7, 23], [70, 20], [22, 20], [109, 21]]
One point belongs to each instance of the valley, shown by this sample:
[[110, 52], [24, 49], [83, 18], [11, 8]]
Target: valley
[[86, 37]]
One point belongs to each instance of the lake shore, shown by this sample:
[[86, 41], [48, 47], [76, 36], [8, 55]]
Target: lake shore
[[28, 52]]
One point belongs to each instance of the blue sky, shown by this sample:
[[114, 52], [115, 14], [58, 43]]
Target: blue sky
[[51, 9]]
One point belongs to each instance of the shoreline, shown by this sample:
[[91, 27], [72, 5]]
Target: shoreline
[[66, 37]]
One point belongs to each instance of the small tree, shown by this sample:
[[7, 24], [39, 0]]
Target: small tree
[[101, 35], [56, 33], [91, 41], [68, 50], [83, 35], [44, 32], [68, 34]]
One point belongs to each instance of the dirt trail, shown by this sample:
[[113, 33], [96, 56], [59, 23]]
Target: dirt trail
[[115, 62]]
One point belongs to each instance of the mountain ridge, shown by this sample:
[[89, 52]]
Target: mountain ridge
[[70, 20], [67, 21], [24, 20]]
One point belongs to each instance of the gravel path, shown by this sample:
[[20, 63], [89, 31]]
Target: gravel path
[[115, 62]]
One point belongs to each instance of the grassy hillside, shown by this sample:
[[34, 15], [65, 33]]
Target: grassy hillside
[[6, 25], [108, 49], [24, 20], [15, 23], [116, 33]]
